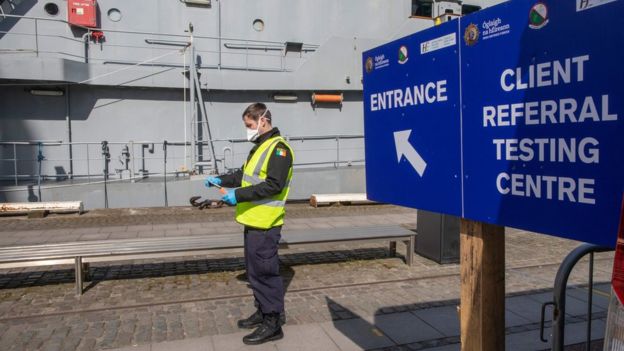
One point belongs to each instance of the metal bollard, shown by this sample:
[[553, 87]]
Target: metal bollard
[[40, 159], [106, 156], [165, 171]]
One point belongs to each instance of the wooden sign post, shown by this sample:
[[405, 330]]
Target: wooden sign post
[[482, 306]]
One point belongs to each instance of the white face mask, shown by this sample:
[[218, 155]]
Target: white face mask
[[253, 134]]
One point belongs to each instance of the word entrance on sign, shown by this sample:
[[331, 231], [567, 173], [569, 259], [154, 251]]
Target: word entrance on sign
[[425, 93]]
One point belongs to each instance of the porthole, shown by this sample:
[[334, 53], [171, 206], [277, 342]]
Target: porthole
[[51, 9], [114, 15], [258, 25]]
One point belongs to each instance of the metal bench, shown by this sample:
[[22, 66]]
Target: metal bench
[[82, 253]]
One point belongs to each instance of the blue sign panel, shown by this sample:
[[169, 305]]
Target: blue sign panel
[[411, 121], [543, 117], [538, 142]]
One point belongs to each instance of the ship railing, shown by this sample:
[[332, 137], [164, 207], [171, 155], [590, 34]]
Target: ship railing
[[141, 46], [22, 162]]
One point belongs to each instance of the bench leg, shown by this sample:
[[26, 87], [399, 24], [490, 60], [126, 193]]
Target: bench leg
[[410, 247], [392, 248], [79, 275], [85, 272]]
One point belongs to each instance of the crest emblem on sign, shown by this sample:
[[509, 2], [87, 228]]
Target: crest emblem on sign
[[538, 16], [369, 65], [403, 54], [471, 34]]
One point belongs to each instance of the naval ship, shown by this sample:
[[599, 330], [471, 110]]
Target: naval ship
[[120, 103]]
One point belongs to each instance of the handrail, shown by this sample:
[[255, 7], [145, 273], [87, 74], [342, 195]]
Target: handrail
[[559, 293], [42, 35], [91, 29], [188, 143], [231, 44], [33, 142], [300, 138], [87, 161]]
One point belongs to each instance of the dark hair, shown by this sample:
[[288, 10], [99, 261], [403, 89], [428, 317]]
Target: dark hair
[[255, 110]]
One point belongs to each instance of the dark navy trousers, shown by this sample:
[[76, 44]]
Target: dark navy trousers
[[262, 264]]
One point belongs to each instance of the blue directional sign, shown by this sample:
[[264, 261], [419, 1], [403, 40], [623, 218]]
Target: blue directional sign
[[411, 121], [540, 129], [543, 118]]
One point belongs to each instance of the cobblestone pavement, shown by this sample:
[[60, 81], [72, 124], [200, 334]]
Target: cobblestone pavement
[[147, 301]]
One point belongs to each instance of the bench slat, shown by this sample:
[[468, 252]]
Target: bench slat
[[190, 243]]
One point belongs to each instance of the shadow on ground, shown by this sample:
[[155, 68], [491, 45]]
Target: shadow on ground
[[435, 325], [394, 327]]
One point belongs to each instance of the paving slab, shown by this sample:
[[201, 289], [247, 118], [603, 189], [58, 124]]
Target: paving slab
[[309, 337], [600, 299], [577, 332], [355, 334], [444, 319], [405, 328], [234, 342], [574, 334], [513, 320], [452, 347], [605, 288], [526, 341], [524, 307]]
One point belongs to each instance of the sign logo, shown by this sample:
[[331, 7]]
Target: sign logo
[[442, 42], [582, 5], [538, 16], [471, 34], [381, 61], [494, 28], [369, 65], [403, 54]]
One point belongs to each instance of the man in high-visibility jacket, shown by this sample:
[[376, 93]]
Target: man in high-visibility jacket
[[263, 186]]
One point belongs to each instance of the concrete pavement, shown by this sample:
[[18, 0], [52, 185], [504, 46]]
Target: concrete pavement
[[433, 329]]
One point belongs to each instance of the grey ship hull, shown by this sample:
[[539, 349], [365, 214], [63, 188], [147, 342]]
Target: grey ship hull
[[62, 93]]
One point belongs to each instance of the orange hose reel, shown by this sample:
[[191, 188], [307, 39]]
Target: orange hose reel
[[327, 98]]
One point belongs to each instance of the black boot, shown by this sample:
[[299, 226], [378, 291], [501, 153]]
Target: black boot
[[269, 330], [252, 321]]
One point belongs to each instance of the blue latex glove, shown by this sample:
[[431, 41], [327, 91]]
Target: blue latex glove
[[213, 180], [229, 198]]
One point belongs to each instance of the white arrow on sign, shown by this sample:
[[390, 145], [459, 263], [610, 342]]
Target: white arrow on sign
[[404, 148]]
